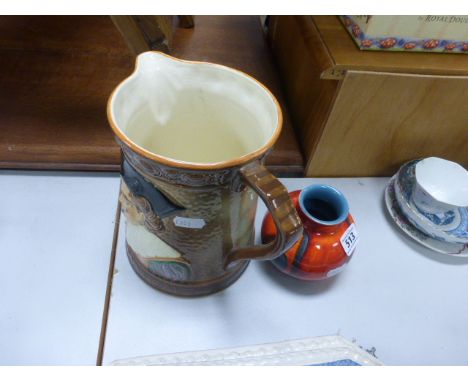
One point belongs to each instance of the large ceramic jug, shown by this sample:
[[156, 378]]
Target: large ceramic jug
[[194, 136]]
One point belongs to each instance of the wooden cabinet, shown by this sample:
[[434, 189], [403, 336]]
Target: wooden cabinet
[[365, 113]]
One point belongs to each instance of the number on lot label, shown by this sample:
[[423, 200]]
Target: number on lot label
[[349, 239]]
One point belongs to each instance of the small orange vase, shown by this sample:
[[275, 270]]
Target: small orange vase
[[329, 237]]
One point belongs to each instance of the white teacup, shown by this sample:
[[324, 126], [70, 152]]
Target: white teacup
[[441, 194]]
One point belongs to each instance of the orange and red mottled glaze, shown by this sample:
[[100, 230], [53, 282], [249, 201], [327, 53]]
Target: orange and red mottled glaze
[[318, 253]]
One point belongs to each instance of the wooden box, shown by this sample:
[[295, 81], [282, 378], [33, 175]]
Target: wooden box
[[364, 113], [409, 33]]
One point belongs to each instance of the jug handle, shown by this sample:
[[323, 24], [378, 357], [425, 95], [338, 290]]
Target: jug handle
[[276, 197]]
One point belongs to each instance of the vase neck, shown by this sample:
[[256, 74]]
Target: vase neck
[[322, 208], [316, 227]]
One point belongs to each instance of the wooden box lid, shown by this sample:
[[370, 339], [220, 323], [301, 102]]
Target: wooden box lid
[[340, 53]]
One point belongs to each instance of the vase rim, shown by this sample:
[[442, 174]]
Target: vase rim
[[329, 195]]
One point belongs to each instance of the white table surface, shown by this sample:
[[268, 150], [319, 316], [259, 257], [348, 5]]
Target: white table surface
[[395, 295], [55, 238]]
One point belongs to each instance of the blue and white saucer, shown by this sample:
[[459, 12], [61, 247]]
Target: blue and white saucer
[[454, 249]]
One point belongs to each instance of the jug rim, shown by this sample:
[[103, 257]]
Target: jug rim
[[234, 162]]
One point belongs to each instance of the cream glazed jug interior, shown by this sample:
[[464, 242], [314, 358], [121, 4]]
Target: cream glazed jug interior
[[193, 112]]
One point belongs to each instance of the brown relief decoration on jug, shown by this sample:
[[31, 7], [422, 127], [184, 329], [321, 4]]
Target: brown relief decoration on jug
[[197, 178], [174, 269], [139, 211]]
